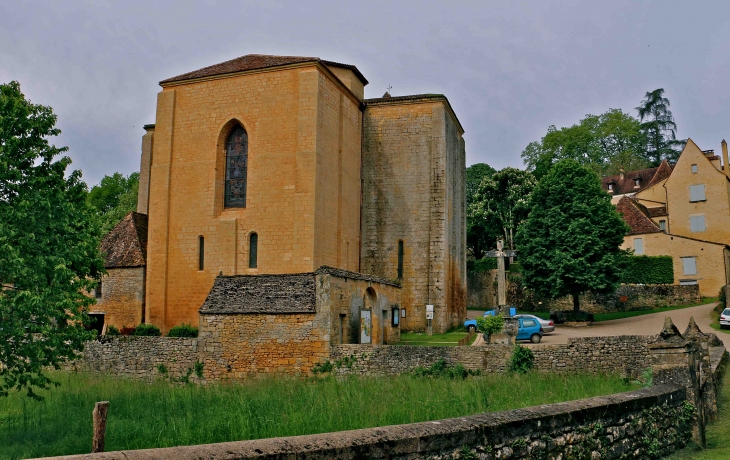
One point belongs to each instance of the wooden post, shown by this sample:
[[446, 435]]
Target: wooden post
[[99, 416]]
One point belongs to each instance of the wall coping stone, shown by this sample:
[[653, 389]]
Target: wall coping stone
[[401, 440], [340, 273]]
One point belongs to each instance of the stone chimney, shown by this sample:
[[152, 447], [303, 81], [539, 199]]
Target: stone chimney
[[724, 158], [143, 198], [622, 173]]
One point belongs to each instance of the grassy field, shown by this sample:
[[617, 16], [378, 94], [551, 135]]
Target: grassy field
[[448, 339], [159, 415], [718, 433]]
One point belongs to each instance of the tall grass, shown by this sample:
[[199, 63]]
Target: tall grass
[[145, 415]]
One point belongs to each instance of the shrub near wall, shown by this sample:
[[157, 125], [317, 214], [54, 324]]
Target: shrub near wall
[[649, 270]]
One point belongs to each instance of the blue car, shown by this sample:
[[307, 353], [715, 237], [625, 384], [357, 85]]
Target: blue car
[[527, 328]]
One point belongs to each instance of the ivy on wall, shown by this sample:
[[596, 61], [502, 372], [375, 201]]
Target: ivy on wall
[[649, 270]]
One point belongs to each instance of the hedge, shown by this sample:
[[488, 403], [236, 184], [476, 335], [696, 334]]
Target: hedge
[[649, 270]]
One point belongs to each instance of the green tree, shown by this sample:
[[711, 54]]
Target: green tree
[[570, 241], [114, 198], [659, 128], [602, 143], [502, 203], [49, 242], [476, 242]]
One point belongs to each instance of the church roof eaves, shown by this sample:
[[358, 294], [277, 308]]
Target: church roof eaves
[[252, 62], [415, 99]]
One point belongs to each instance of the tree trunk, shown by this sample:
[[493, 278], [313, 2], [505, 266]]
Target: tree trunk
[[576, 304]]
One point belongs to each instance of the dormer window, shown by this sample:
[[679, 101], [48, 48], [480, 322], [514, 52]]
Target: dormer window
[[637, 182], [610, 188]]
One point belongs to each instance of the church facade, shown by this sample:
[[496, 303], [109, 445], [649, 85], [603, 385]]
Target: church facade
[[273, 165]]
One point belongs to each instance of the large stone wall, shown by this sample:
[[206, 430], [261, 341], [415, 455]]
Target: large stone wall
[[122, 296], [240, 345], [139, 357], [413, 191], [606, 427]]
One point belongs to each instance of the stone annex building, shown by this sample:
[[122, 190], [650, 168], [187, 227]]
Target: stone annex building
[[272, 190]]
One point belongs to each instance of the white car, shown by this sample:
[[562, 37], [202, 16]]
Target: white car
[[548, 325], [725, 319]]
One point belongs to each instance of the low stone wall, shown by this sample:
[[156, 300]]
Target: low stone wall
[[647, 423], [638, 297], [401, 359], [139, 357], [627, 354]]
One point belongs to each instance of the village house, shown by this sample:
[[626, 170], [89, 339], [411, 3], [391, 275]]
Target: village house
[[278, 167], [682, 211]]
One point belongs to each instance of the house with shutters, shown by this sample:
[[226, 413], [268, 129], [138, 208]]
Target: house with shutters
[[682, 211]]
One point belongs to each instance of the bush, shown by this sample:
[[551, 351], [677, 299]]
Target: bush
[[199, 369], [112, 331], [490, 324], [648, 270], [184, 330], [147, 330], [481, 265], [522, 360], [441, 369]]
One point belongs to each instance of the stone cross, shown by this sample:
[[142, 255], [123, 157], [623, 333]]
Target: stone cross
[[500, 254]]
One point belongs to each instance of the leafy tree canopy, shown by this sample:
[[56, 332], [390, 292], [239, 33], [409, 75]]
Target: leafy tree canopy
[[49, 244], [114, 198], [475, 233], [603, 143], [570, 241], [501, 204]]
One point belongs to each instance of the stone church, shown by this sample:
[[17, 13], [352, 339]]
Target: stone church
[[278, 166]]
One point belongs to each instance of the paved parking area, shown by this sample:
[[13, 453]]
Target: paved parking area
[[638, 325]]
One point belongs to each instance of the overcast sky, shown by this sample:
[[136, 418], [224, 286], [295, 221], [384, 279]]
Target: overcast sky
[[509, 68]]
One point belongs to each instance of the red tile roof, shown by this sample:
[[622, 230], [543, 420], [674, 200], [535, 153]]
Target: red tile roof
[[126, 244], [256, 62], [657, 211], [636, 216], [647, 178]]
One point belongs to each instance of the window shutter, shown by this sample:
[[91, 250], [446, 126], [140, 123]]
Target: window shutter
[[697, 224], [697, 192], [690, 265], [638, 246]]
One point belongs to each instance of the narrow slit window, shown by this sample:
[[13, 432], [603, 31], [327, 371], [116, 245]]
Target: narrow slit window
[[201, 253], [236, 168], [253, 247], [662, 224], [97, 291], [400, 259]]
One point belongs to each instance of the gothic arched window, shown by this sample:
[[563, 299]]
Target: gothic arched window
[[236, 168]]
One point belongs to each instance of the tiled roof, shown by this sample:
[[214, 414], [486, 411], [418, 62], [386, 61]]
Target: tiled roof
[[261, 294], [256, 62], [657, 211], [647, 178], [126, 244], [663, 172], [636, 216]]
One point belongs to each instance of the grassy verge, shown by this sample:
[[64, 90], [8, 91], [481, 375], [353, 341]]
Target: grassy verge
[[448, 339], [715, 324], [629, 314], [718, 432], [145, 415]]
